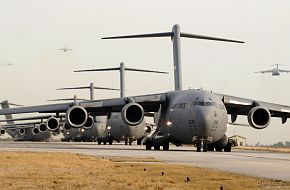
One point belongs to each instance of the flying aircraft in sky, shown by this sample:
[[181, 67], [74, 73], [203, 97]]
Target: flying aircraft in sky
[[65, 49], [275, 71], [8, 64], [194, 116]]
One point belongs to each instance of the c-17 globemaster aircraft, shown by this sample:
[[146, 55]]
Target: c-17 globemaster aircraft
[[276, 71], [185, 116]]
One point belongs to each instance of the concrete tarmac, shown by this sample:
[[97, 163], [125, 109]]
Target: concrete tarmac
[[252, 163]]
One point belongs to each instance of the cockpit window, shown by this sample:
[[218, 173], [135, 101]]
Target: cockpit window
[[203, 103]]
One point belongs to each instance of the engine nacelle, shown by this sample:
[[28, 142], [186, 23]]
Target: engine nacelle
[[52, 123], [76, 116], [21, 131], [2, 131], [259, 117], [132, 114], [90, 123], [35, 131], [42, 127]]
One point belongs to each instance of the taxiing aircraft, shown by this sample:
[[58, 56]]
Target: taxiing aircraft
[[276, 71], [193, 116], [118, 130]]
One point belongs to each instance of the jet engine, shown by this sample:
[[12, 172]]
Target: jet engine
[[42, 127], [66, 127], [76, 116], [259, 117], [35, 131], [21, 131], [90, 123], [52, 123], [132, 114], [2, 131]]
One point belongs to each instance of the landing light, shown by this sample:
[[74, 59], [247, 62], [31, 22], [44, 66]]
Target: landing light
[[82, 130], [67, 132], [145, 128], [109, 127], [169, 123]]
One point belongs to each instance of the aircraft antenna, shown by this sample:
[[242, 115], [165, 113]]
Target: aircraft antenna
[[175, 35]]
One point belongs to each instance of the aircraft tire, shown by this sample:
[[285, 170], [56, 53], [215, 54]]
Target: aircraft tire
[[148, 146], [218, 149], [105, 143], [228, 148], [198, 147], [139, 141], [205, 148], [126, 142], [110, 142], [99, 142], [210, 147], [156, 147], [166, 146]]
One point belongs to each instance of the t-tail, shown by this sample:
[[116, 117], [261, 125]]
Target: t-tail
[[122, 70], [92, 87], [175, 35]]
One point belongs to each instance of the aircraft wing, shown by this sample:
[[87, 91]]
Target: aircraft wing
[[150, 103], [242, 106], [284, 71], [266, 71], [31, 118]]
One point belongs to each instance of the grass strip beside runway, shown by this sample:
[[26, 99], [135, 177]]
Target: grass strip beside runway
[[31, 170]]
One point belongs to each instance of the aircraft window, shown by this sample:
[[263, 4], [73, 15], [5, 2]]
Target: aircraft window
[[202, 103]]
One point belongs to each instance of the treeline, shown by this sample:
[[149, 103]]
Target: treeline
[[278, 144]]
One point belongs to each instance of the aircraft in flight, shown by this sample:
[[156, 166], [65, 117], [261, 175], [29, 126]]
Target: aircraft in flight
[[275, 71], [65, 49], [193, 116]]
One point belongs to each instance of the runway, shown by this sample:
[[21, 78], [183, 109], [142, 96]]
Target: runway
[[252, 163]]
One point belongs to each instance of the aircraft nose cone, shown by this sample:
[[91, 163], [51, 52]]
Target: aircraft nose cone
[[204, 121]]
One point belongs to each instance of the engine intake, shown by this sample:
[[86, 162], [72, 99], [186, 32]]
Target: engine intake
[[132, 114], [21, 131], [42, 127], [90, 123], [259, 117], [52, 123], [35, 131], [2, 131], [76, 116]]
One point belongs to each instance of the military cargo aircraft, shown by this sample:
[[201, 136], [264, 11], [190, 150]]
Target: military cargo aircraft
[[275, 72], [193, 116], [118, 130]]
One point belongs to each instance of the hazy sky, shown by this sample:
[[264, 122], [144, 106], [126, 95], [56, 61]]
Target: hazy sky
[[32, 30]]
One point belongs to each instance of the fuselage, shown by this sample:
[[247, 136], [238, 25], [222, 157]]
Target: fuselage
[[192, 115], [120, 131]]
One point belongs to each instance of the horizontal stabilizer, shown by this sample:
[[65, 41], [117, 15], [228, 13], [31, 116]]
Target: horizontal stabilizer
[[65, 99], [143, 70], [107, 69], [153, 35], [170, 34], [187, 35], [87, 87]]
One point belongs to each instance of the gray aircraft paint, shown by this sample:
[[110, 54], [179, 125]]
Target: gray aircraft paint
[[188, 123], [28, 135], [119, 130]]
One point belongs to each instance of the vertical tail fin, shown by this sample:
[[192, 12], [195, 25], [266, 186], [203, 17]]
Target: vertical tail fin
[[5, 105]]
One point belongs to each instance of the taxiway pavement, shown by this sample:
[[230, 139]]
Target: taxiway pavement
[[252, 163]]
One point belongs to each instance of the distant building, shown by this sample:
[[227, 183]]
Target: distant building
[[241, 141]]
